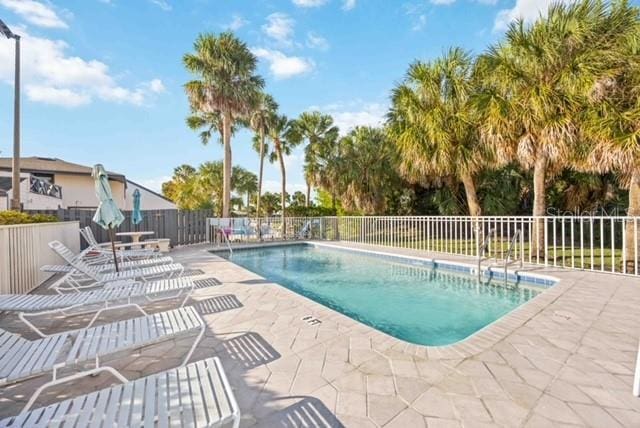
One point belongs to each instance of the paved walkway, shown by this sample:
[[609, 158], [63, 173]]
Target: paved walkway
[[564, 359]]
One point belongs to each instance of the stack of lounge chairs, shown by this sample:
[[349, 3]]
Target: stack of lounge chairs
[[193, 394]]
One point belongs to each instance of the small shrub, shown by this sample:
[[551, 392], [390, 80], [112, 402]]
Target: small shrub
[[301, 211], [16, 217]]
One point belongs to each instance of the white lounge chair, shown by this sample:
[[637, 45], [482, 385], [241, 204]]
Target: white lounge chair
[[196, 395], [21, 359], [109, 266], [98, 278], [97, 301]]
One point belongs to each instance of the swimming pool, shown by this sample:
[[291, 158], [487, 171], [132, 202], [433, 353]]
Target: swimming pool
[[411, 300]]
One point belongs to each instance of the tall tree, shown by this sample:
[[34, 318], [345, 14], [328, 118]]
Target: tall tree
[[365, 170], [226, 84], [534, 83], [435, 125], [284, 136], [244, 182], [318, 130], [260, 120], [611, 123], [208, 124]]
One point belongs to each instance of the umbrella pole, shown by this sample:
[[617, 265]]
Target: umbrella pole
[[113, 248]]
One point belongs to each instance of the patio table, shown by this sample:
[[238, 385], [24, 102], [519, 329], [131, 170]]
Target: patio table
[[135, 236]]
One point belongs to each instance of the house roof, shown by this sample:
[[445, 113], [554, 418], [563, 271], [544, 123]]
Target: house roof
[[151, 191], [53, 166]]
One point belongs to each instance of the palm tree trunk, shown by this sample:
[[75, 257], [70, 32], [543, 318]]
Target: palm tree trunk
[[475, 209], [307, 204], [284, 186], [632, 231], [226, 180], [260, 172], [539, 206]]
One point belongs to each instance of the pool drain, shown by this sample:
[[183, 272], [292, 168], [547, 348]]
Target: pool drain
[[311, 320]]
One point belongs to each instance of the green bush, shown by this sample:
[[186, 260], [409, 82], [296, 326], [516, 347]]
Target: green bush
[[16, 217], [301, 211]]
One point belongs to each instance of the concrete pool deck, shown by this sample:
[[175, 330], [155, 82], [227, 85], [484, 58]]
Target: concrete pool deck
[[564, 359]]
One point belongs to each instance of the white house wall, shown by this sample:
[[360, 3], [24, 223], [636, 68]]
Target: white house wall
[[79, 191], [148, 200]]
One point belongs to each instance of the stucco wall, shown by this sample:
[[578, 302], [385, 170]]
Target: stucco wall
[[148, 200], [79, 190]]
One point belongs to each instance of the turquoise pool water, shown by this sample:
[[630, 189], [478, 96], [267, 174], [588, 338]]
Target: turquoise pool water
[[418, 304]]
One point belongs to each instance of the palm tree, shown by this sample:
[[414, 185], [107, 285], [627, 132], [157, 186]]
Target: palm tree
[[434, 124], [207, 124], [226, 84], [611, 123], [533, 85], [317, 129], [244, 182], [260, 120], [365, 170], [284, 136]]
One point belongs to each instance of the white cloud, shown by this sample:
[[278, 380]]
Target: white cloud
[[348, 4], [354, 113], [35, 12], [282, 66], [527, 10], [417, 15], [442, 2], [419, 22], [316, 41], [61, 97], [53, 76], [237, 22], [162, 4], [156, 86], [279, 27], [309, 3]]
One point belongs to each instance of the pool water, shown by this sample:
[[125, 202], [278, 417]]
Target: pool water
[[419, 304]]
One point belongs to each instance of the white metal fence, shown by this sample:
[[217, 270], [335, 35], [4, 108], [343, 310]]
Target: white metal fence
[[606, 244]]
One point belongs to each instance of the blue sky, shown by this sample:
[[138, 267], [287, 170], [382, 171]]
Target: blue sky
[[103, 78]]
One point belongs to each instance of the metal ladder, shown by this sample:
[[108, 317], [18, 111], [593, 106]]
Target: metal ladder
[[305, 232], [482, 250], [225, 238], [507, 261]]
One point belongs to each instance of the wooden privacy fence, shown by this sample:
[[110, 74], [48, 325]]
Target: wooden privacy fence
[[24, 249], [181, 227]]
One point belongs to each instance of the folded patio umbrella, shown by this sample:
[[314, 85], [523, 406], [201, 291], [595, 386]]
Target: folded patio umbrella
[[108, 216], [136, 216]]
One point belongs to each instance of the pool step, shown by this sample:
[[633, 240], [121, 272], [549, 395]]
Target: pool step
[[311, 320]]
